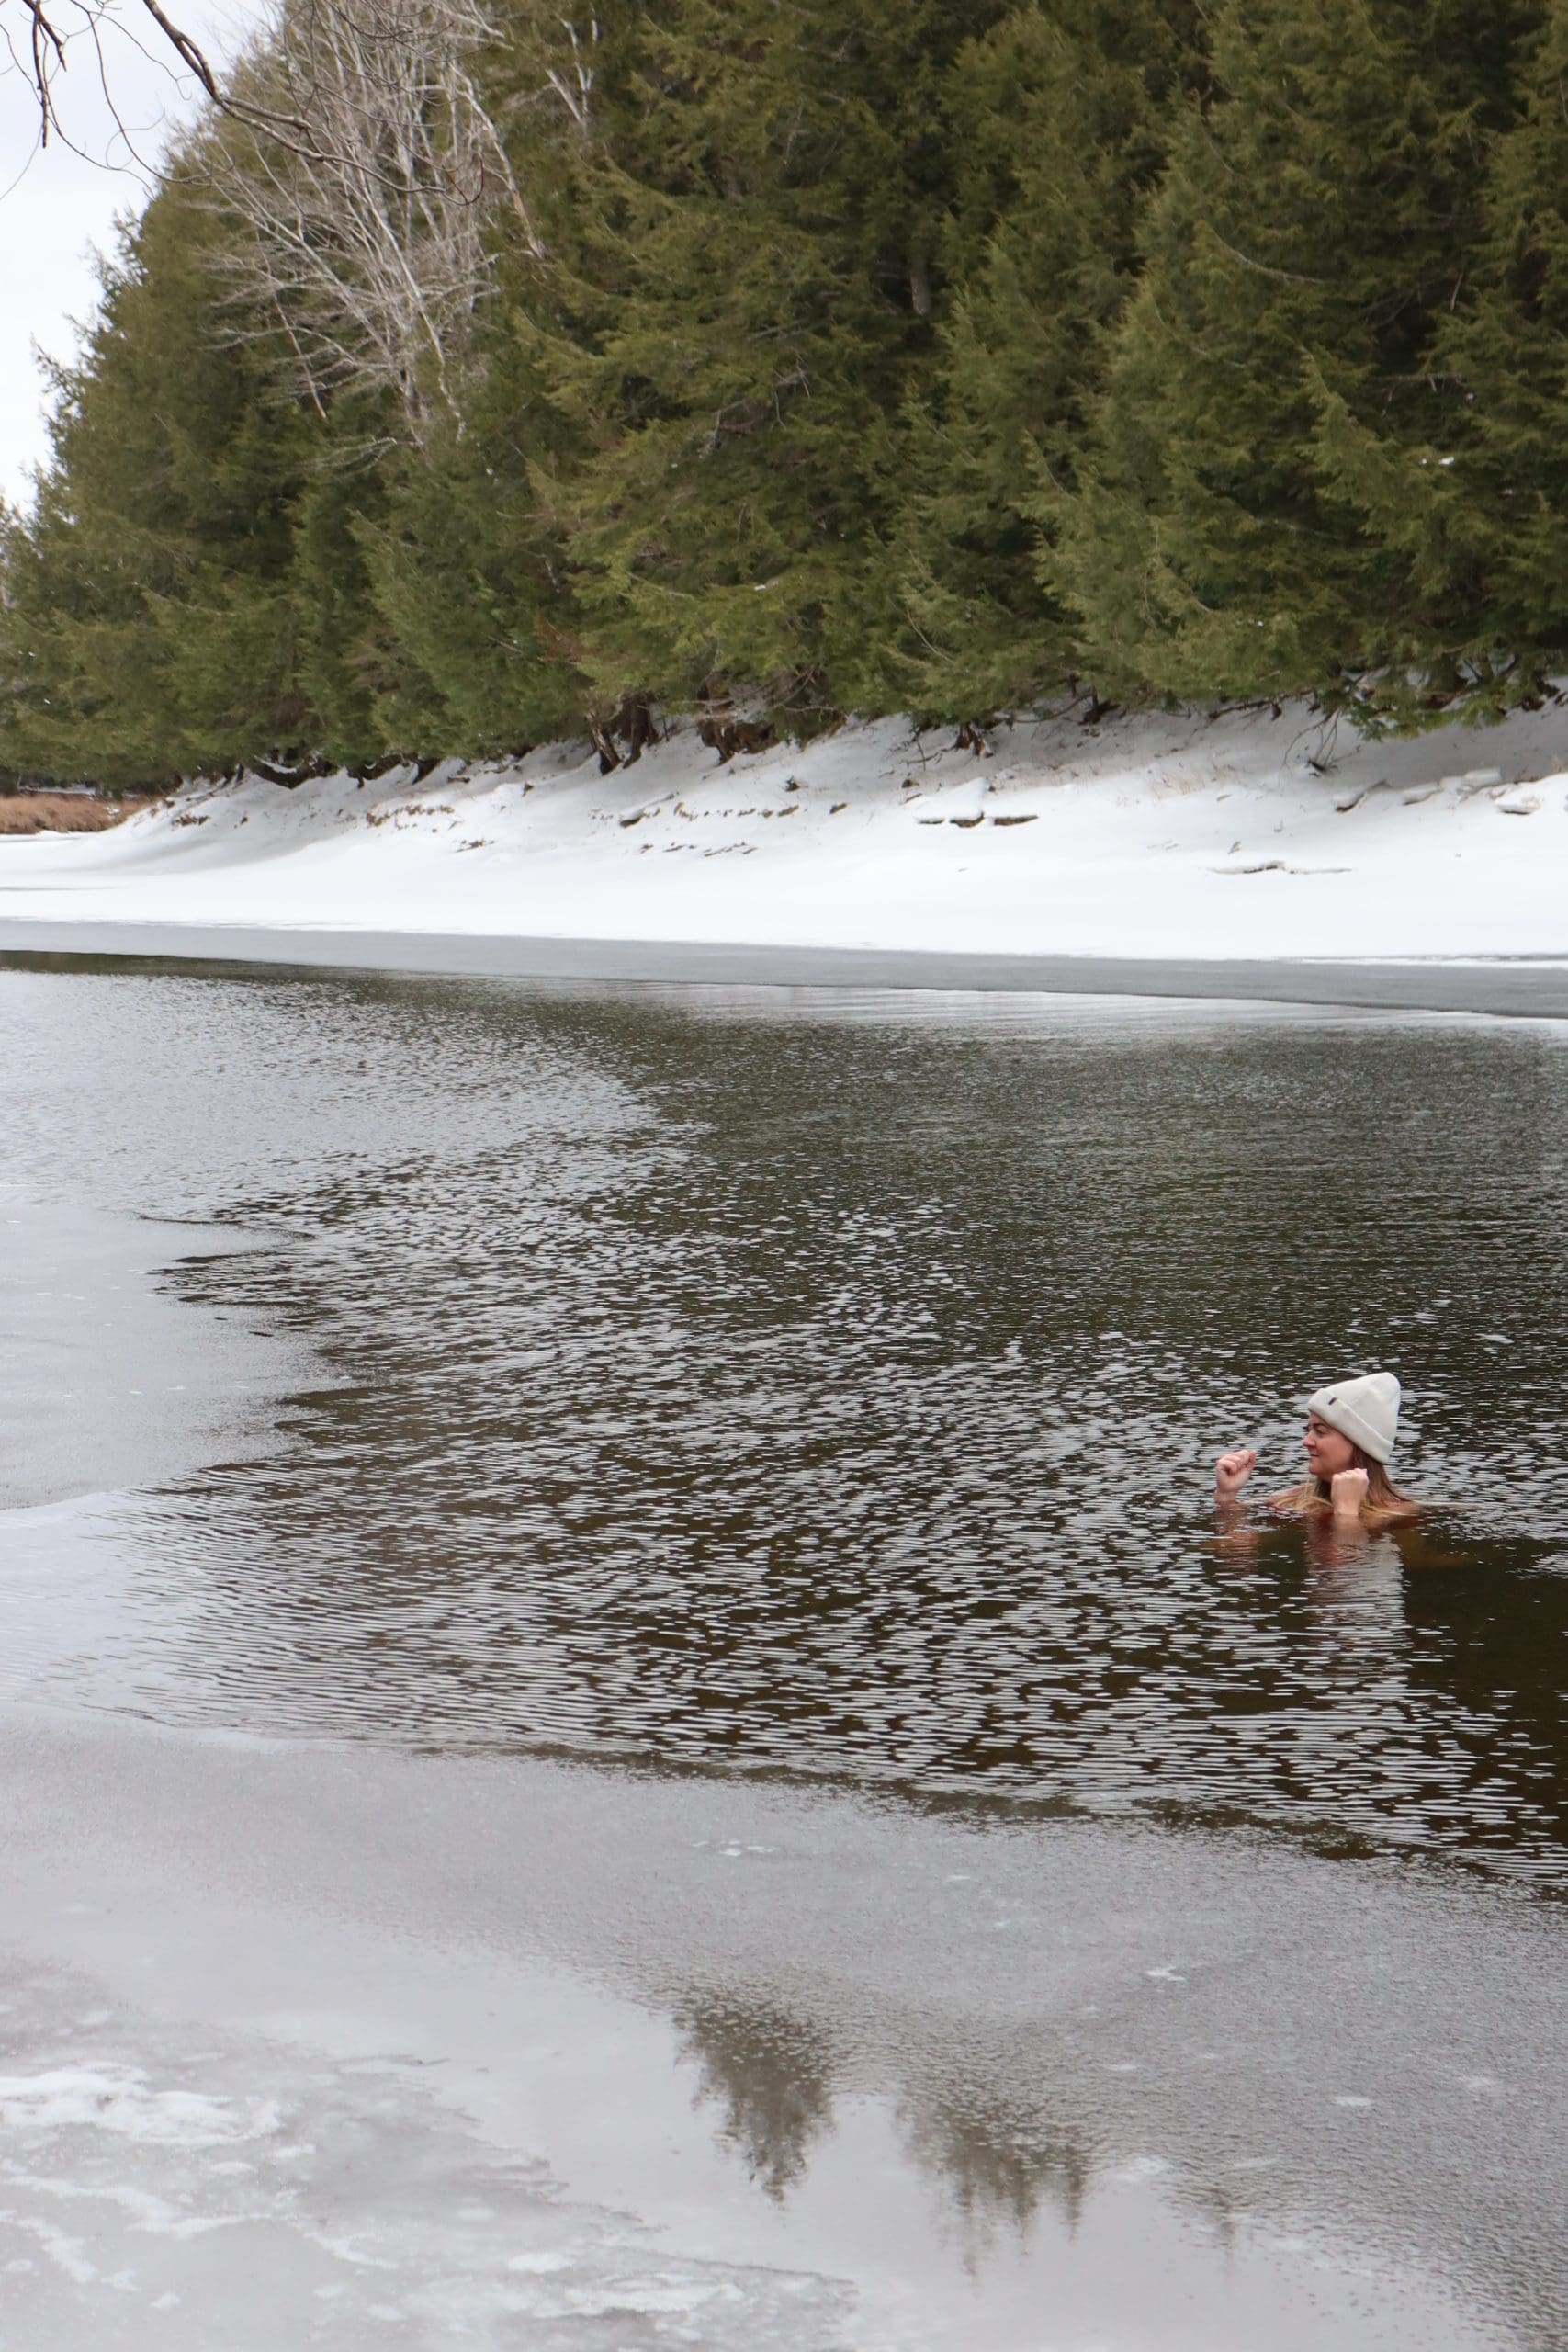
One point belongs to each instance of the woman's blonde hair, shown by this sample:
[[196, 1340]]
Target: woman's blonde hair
[[1382, 1492]]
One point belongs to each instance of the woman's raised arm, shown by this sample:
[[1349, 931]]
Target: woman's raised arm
[[1232, 1472]]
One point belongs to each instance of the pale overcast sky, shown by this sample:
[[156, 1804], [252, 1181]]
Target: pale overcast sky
[[57, 207]]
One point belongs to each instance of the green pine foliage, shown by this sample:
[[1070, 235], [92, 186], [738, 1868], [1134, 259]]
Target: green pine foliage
[[1312, 230], [1476, 515], [466, 587], [148, 626], [855, 355], [1058, 121], [761, 243]]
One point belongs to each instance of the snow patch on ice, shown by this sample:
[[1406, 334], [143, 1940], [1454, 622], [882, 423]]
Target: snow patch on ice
[[67, 2254], [121, 2100]]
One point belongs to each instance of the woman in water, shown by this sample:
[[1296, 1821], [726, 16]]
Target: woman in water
[[1349, 1437]]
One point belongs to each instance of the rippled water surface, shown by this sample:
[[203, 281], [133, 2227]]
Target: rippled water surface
[[828, 1384]]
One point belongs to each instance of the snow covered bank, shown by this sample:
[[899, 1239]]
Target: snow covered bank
[[1240, 835]]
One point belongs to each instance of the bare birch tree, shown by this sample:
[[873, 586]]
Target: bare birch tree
[[368, 237]]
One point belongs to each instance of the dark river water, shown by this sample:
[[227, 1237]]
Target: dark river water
[[829, 1385]]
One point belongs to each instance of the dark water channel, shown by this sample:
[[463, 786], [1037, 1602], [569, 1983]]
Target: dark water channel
[[617, 1674], [827, 1385]]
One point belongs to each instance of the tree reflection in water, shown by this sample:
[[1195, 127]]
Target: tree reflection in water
[[771, 2076], [996, 2164]]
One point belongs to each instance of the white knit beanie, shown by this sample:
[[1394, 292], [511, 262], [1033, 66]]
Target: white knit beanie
[[1365, 1411]]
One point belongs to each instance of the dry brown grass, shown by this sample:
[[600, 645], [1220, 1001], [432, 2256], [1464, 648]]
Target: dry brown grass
[[63, 813]]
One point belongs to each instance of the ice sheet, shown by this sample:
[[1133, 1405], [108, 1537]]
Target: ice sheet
[[505, 2052]]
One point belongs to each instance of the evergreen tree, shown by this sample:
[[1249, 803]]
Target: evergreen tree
[[475, 653], [761, 254], [466, 568], [1057, 121], [847, 357], [1477, 516], [346, 658], [1320, 213], [147, 625]]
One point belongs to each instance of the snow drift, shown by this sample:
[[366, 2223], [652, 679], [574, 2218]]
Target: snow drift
[[1243, 833]]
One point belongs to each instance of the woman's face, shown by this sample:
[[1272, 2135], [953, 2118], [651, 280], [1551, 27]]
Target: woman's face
[[1328, 1451]]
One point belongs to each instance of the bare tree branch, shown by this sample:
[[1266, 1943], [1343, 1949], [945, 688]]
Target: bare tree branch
[[366, 235], [356, 155], [574, 86], [54, 27], [185, 50]]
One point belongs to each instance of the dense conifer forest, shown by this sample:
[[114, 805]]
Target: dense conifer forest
[[478, 378]]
